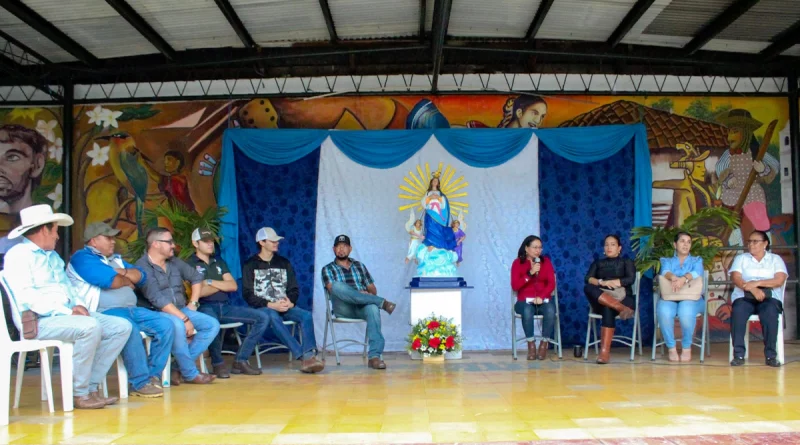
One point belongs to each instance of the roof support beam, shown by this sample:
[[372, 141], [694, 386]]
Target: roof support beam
[[627, 23], [783, 41], [47, 29], [441, 20], [23, 47], [538, 19], [718, 24], [236, 23], [326, 12], [423, 10], [131, 16]]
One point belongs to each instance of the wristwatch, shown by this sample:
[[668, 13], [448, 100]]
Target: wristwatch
[[209, 281], [196, 304]]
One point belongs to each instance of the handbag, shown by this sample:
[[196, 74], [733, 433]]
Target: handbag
[[30, 325], [618, 293], [693, 290]]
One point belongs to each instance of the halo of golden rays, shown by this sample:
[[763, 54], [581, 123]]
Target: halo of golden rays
[[415, 186]]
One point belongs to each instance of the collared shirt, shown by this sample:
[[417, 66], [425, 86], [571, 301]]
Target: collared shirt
[[215, 269], [38, 281], [92, 273], [691, 264], [357, 276], [165, 287], [752, 269]]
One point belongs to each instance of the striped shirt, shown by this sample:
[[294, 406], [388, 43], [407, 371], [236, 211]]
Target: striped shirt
[[357, 276]]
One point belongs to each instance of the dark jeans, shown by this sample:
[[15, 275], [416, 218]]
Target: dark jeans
[[528, 311], [300, 350], [768, 311], [593, 293], [257, 322]]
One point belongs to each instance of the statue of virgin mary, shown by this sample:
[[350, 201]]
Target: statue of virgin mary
[[438, 233]]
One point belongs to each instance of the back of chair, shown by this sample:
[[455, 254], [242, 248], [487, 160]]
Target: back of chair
[[15, 315]]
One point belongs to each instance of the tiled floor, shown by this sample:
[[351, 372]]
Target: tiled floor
[[487, 397]]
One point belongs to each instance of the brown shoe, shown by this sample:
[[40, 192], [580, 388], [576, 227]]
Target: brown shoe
[[148, 391], [245, 368], [531, 350], [175, 378], [388, 306], [106, 400], [311, 366], [606, 334], [376, 363], [156, 381], [609, 301], [201, 379], [221, 371], [87, 402], [542, 354]]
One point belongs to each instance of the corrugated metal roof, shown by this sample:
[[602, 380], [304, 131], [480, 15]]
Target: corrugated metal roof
[[188, 24], [360, 19], [282, 20], [30, 37], [592, 20], [94, 25], [511, 18], [752, 25], [686, 17], [735, 46]]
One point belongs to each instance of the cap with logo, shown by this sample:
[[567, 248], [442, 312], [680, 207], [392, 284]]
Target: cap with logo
[[203, 234], [97, 229], [267, 234], [341, 239]]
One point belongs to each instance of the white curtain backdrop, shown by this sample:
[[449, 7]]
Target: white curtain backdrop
[[363, 203]]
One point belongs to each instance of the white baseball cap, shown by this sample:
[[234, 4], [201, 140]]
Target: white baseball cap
[[267, 233]]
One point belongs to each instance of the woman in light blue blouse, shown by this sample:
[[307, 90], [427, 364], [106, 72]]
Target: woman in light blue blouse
[[680, 269]]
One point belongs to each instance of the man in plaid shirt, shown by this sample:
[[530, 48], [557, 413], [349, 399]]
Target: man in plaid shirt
[[354, 295]]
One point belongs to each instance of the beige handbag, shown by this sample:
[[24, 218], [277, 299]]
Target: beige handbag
[[618, 293], [693, 290]]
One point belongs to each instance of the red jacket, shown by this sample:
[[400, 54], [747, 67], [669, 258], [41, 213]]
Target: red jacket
[[540, 285]]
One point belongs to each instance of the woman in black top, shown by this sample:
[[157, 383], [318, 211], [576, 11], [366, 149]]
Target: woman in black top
[[608, 276]]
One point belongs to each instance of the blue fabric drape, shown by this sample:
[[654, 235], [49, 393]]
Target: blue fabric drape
[[484, 147]]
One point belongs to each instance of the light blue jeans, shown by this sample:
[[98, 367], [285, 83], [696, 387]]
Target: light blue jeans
[[350, 303], [186, 350], [686, 311]]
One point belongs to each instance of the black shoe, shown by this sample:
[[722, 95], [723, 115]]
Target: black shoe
[[221, 371], [737, 361], [244, 368], [773, 362]]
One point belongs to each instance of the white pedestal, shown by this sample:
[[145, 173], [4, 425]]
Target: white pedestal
[[442, 302]]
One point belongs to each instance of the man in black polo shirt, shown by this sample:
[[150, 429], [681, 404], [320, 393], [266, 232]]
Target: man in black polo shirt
[[214, 302]]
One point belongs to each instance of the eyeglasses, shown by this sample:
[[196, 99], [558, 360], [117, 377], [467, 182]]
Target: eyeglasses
[[755, 241], [168, 241]]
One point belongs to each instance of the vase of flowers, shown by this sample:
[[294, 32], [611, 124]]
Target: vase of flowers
[[433, 336]]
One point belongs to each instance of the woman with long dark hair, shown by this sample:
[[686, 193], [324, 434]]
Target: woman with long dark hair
[[534, 280]]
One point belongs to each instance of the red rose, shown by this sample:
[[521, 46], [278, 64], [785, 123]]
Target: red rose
[[416, 344], [435, 342], [433, 324], [449, 342]]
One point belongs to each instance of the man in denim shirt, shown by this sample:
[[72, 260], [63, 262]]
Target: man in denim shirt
[[164, 289]]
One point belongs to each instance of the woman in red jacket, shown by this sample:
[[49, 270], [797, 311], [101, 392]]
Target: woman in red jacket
[[534, 280]]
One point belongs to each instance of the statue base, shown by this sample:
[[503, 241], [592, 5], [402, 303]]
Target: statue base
[[441, 300]]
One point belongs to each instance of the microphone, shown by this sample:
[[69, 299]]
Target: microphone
[[537, 260]]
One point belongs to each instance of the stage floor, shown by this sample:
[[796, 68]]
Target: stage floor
[[486, 397]]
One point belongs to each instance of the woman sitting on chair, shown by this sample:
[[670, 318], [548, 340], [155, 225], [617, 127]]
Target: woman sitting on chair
[[759, 276], [533, 279], [608, 289], [681, 270]]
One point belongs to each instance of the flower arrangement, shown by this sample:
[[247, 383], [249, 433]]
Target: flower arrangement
[[434, 335]]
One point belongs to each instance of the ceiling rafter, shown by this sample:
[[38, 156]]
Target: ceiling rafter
[[718, 24], [236, 23], [538, 19], [782, 42], [441, 20], [326, 12], [23, 47], [629, 21], [131, 16]]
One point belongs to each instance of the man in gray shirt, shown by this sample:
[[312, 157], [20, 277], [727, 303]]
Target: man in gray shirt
[[194, 331]]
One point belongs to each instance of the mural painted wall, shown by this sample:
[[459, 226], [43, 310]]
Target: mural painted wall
[[132, 157]]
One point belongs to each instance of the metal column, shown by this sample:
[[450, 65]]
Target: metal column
[[794, 136], [66, 164]]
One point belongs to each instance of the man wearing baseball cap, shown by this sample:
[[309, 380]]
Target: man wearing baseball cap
[[354, 295], [270, 285], [106, 283], [214, 302]]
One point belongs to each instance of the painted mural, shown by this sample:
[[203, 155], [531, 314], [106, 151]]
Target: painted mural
[[31, 151], [132, 157]]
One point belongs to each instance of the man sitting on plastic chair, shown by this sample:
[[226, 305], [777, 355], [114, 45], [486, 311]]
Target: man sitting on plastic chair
[[354, 295], [214, 302], [35, 275], [106, 282], [758, 276], [270, 285]]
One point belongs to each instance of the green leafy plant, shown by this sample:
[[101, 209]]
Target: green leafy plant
[[653, 243], [434, 335]]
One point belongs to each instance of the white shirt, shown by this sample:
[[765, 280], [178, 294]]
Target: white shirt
[[752, 270]]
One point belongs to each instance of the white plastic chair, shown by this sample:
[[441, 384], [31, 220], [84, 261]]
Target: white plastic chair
[[779, 347], [122, 372], [636, 335], [222, 328], [7, 349], [705, 338], [330, 321], [557, 331], [272, 346]]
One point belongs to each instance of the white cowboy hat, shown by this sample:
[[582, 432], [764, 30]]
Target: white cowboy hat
[[38, 215]]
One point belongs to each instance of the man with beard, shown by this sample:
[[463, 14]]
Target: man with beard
[[22, 159]]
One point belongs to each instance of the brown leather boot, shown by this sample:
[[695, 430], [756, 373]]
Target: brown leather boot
[[606, 334], [87, 402], [106, 400], [542, 354], [531, 350], [311, 366], [609, 301]]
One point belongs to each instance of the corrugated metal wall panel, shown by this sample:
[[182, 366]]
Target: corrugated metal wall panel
[[481, 18], [686, 17], [763, 21], [188, 24], [282, 20], [30, 37], [592, 20], [364, 19]]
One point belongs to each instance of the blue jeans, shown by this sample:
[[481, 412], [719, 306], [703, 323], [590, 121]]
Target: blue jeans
[[185, 351], [257, 322], [686, 311], [140, 366], [528, 311], [300, 350], [350, 303]]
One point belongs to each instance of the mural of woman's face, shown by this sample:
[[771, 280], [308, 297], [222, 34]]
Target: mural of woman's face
[[735, 137], [533, 116]]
